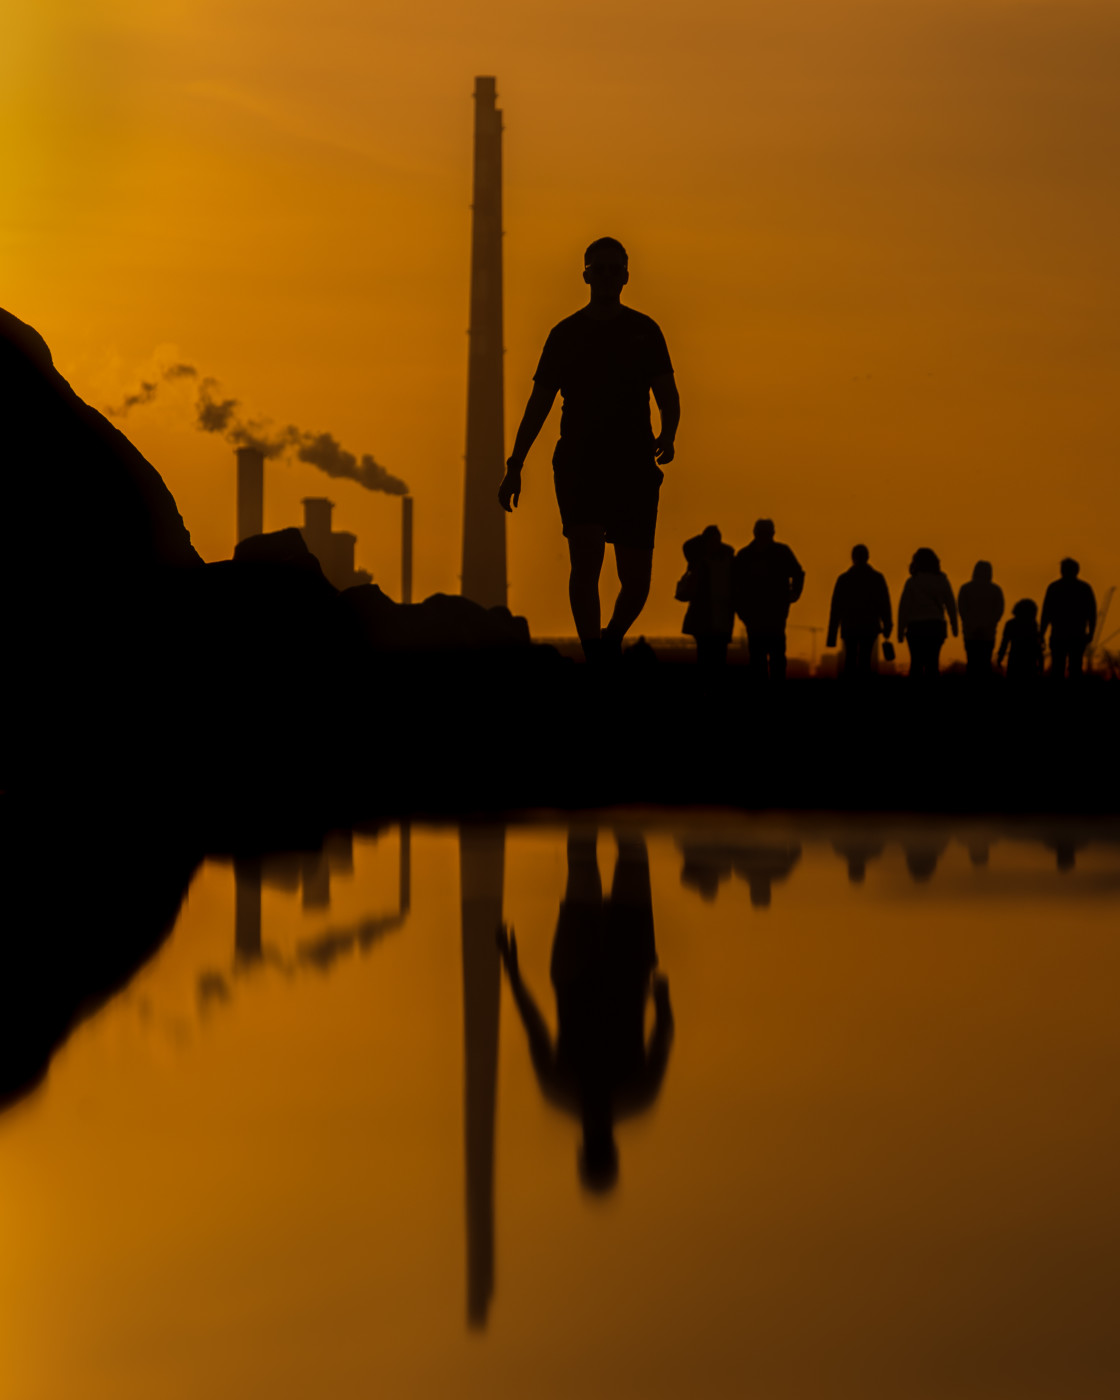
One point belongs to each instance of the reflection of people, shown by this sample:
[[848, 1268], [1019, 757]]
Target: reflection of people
[[927, 597], [604, 361], [603, 961], [1069, 610], [980, 602], [706, 588], [768, 579], [861, 610], [707, 864]]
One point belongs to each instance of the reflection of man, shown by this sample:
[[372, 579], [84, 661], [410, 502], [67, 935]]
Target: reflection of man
[[603, 960], [604, 360]]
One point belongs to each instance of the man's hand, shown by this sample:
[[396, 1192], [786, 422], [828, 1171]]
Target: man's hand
[[509, 493], [663, 451]]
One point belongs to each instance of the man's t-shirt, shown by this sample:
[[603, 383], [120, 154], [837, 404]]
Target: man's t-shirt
[[604, 370]]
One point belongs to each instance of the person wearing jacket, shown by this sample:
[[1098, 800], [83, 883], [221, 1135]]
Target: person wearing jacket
[[980, 603], [706, 588], [861, 611], [1069, 610], [927, 599], [767, 579]]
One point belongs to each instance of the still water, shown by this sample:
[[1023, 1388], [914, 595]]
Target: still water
[[857, 1135]]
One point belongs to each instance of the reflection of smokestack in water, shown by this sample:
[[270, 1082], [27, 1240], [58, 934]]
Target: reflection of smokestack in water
[[405, 900], [250, 492], [406, 549], [481, 872], [247, 907]]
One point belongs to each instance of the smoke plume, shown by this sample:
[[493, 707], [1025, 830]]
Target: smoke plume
[[214, 413]]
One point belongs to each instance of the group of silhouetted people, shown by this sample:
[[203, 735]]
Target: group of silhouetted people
[[759, 583], [605, 361]]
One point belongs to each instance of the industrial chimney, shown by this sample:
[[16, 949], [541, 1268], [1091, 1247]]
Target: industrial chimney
[[250, 492], [484, 521], [406, 549]]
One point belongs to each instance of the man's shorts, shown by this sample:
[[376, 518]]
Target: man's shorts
[[622, 500]]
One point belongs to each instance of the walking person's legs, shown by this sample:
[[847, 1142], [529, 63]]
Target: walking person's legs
[[634, 567], [586, 549]]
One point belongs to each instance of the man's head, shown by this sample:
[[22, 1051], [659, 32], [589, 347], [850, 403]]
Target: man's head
[[1070, 568], [598, 1152], [982, 573], [764, 530], [606, 267], [860, 554]]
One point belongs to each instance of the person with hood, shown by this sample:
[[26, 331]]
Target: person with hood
[[980, 603], [706, 588], [927, 599], [766, 580], [1069, 610], [861, 612], [1022, 642]]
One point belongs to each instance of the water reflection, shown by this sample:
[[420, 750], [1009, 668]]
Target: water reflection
[[914, 1040], [481, 881], [602, 971], [708, 864]]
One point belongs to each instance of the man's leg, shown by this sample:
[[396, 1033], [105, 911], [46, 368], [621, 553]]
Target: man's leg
[[778, 655], [634, 569], [585, 551], [756, 648]]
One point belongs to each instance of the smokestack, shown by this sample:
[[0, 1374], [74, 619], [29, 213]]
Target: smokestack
[[406, 549], [250, 492], [484, 521]]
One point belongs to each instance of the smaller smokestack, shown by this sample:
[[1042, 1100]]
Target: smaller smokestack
[[250, 492], [406, 549]]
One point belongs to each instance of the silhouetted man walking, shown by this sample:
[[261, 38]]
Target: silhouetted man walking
[[604, 361], [767, 580], [1069, 610], [861, 610]]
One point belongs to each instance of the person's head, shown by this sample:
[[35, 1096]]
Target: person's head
[[606, 267], [860, 554], [598, 1152], [925, 562], [764, 530], [711, 535], [1026, 610], [982, 573], [1070, 568]]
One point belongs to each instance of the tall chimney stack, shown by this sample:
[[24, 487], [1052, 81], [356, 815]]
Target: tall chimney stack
[[406, 549], [250, 492], [484, 521]]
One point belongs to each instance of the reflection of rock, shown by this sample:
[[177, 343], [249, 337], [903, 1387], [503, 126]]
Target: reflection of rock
[[69, 938], [707, 864]]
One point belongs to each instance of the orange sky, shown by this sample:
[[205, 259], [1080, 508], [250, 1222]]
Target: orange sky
[[880, 238]]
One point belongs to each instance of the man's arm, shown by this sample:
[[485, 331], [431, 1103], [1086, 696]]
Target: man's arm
[[669, 406], [532, 421]]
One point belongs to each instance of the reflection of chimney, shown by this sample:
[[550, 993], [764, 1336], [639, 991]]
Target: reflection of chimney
[[250, 492], [247, 907], [481, 871], [406, 549], [404, 898]]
